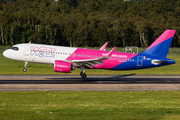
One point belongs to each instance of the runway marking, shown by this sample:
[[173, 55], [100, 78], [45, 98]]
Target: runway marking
[[87, 90]]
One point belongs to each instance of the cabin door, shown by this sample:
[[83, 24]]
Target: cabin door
[[139, 60], [26, 50]]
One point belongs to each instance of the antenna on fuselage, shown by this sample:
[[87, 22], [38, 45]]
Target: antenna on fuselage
[[29, 42]]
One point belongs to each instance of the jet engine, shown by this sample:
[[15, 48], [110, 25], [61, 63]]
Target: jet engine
[[62, 66]]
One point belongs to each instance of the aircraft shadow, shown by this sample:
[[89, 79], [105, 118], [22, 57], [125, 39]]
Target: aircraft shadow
[[120, 79]]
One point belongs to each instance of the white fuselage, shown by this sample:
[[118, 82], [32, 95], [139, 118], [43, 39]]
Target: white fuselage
[[39, 53]]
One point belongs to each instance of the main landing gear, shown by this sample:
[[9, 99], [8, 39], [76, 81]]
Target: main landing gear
[[24, 70], [83, 74]]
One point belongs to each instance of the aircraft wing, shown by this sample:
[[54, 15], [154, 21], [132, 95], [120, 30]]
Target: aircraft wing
[[90, 62]]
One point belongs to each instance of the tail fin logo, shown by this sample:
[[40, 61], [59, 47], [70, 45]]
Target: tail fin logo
[[160, 46]]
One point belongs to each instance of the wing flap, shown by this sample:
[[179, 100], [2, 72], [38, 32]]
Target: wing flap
[[87, 65]]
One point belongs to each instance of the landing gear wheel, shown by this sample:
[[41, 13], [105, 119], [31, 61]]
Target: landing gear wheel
[[81, 73], [24, 70], [83, 76]]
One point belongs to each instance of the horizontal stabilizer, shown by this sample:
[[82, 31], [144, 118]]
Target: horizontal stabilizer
[[156, 62]]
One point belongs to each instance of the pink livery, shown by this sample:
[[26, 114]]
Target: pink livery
[[66, 59]]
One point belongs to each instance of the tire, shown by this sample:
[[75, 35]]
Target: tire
[[83, 76], [81, 73], [24, 70]]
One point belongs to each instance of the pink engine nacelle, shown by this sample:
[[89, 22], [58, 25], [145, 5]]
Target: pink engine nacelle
[[62, 66]]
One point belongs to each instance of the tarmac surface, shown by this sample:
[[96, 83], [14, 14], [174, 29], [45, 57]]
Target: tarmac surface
[[92, 83]]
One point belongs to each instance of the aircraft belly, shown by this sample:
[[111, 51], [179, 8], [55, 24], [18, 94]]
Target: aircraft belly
[[42, 60], [108, 64], [126, 66], [98, 66]]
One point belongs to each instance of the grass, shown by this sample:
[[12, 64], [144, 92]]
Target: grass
[[11, 67], [90, 105]]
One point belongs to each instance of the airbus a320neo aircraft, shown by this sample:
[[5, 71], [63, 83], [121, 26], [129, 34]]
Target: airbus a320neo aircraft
[[66, 59]]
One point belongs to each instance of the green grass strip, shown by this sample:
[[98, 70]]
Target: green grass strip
[[90, 105]]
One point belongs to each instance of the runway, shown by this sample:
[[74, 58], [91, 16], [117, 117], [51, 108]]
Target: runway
[[92, 83]]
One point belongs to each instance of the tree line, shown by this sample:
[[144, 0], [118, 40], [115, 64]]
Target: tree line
[[83, 23]]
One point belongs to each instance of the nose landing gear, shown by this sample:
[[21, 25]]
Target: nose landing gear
[[24, 70]]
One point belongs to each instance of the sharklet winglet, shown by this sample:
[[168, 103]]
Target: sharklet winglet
[[104, 46], [110, 53]]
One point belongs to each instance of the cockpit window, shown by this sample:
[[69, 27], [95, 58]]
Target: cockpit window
[[15, 48]]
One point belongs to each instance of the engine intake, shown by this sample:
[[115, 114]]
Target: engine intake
[[62, 66]]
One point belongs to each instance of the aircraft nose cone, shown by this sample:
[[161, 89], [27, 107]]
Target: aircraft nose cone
[[7, 53]]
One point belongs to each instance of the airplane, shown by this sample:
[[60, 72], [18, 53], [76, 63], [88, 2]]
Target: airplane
[[66, 59]]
